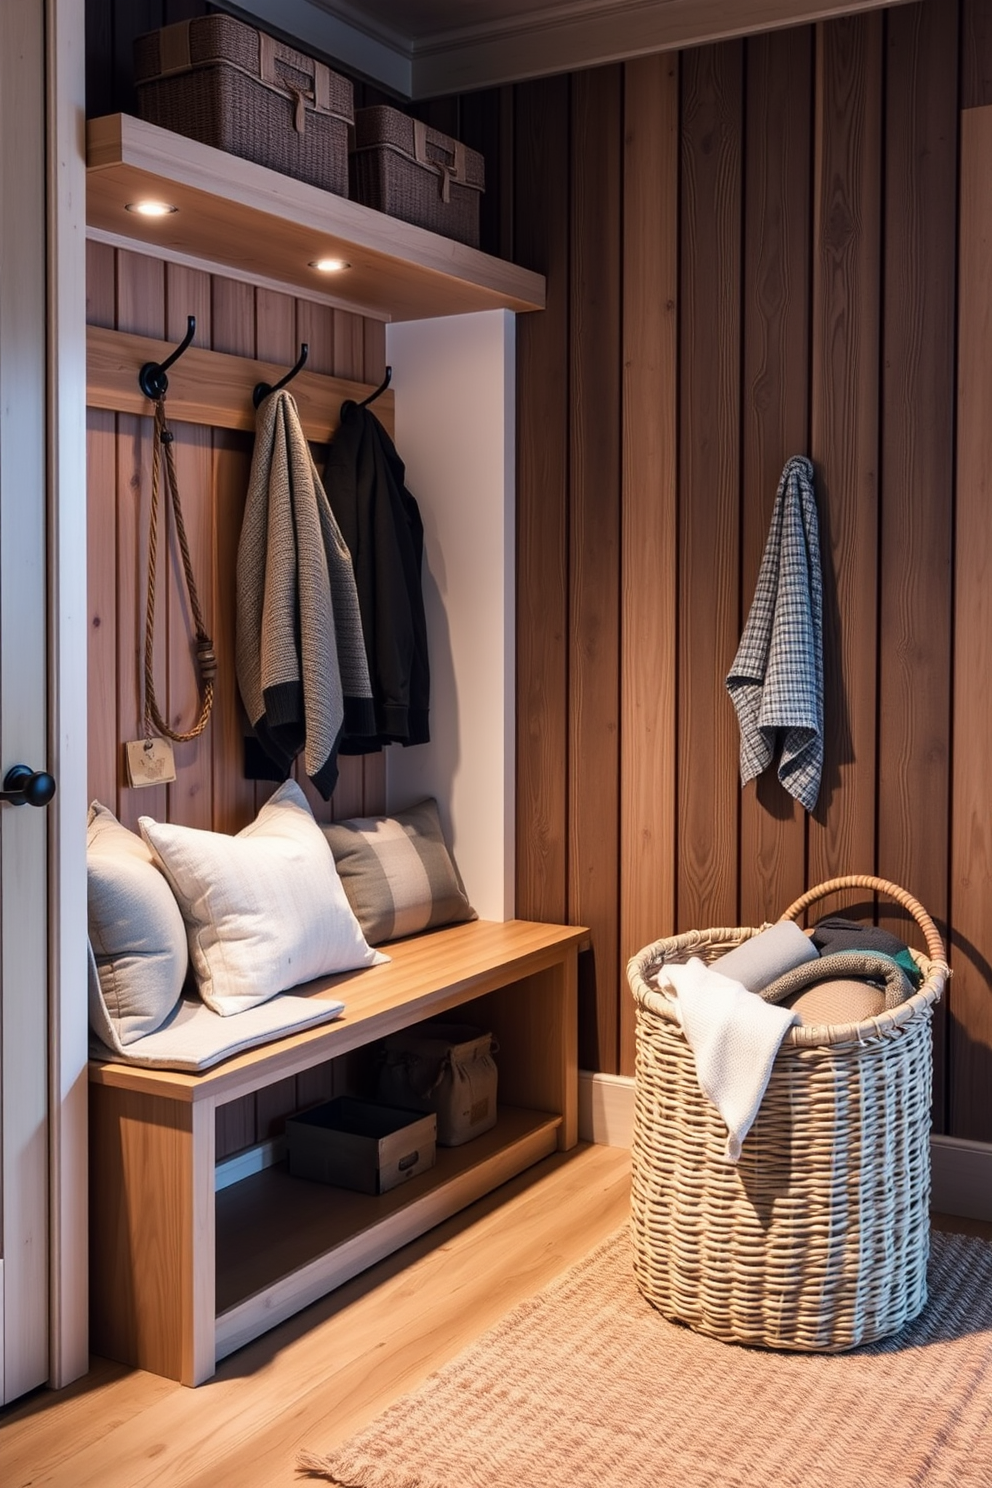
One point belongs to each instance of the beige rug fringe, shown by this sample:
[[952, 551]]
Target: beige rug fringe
[[320, 1467]]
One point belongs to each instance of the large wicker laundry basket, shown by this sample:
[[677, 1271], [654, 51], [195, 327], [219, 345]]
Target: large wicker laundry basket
[[818, 1238]]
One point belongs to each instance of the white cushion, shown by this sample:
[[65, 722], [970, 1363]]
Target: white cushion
[[264, 910], [136, 933], [193, 1037]]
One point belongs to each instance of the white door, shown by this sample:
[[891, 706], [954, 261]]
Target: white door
[[42, 1051], [23, 704]]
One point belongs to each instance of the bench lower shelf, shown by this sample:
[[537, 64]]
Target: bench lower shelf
[[282, 1242]]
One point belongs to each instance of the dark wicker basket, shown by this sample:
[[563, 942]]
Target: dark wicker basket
[[230, 86], [402, 166]]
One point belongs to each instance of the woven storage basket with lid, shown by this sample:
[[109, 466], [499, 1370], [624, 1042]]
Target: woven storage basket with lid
[[818, 1238], [225, 84], [405, 168]]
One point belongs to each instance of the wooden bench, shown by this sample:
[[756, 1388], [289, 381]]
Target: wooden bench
[[182, 1275]]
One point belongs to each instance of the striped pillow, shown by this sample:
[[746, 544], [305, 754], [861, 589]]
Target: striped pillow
[[397, 873]]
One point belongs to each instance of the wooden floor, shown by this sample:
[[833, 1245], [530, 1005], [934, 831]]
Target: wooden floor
[[319, 1377], [325, 1373]]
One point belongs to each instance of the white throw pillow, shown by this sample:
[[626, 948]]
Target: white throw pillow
[[136, 932], [264, 910]]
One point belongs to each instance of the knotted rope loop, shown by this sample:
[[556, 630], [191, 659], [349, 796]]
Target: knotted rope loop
[[206, 660]]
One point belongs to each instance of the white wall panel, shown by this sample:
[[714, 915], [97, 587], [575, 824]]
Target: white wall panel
[[455, 396]]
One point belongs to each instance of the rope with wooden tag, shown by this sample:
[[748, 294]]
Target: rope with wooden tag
[[206, 661]]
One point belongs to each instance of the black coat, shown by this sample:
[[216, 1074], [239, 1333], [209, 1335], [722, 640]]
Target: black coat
[[380, 522]]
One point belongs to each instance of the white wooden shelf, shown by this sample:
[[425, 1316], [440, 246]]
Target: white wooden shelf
[[258, 224]]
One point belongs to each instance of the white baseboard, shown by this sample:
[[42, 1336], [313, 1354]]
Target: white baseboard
[[248, 1161], [961, 1177], [606, 1109], [961, 1172]]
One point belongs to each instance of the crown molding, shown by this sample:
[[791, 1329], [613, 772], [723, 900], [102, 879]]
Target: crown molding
[[546, 38], [577, 34], [360, 49]]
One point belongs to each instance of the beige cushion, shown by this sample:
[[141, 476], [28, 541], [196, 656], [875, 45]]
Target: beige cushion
[[397, 872], [136, 933], [839, 1000], [264, 910], [194, 1037]]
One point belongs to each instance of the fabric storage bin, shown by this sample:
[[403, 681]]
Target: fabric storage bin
[[447, 1068], [404, 167], [225, 84], [818, 1238], [360, 1144]]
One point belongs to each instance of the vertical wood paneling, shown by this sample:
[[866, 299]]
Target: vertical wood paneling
[[140, 310], [275, 340], [101, 600], [234, 1127], [101, 568], [541, 217], [917, 458], [787, 191], [976, 53], [970, 1030], [484, 121], [649, 522], [190, 797], [775, 397], [317, 326], [275, 327], [272, 1105], [101, 285], [349, 361], [131, 19], [845, 419], [709, 482], [99, 51], [594, 552], [233, 797], [374, 765], [233, 320]]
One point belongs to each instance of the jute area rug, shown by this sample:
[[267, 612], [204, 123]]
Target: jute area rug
[[586, 1386]]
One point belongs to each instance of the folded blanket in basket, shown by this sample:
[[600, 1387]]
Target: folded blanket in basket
[[763, 958], [834, 934], [734, 1037]]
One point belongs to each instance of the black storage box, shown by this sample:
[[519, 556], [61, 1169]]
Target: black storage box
[[225, 84], [360, 1144], [403, 167]]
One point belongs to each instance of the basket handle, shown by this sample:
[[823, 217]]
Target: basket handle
[[271, 52], [935, 946]]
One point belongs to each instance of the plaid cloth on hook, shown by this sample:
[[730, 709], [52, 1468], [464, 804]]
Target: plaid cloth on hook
[[776, 681]]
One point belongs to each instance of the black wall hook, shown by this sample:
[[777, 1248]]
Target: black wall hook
[[262, 389], [350, 403], [152, 379]]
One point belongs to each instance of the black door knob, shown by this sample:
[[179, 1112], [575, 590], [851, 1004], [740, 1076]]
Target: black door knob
[[23, 786]]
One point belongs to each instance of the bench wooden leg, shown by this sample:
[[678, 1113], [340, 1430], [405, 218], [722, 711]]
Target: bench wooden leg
[[535, 1021], [152, 1279]]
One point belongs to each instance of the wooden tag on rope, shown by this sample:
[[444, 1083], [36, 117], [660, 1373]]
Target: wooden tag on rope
[[150, 759]]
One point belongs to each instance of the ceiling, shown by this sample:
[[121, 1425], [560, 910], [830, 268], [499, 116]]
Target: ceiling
[[424, 48]]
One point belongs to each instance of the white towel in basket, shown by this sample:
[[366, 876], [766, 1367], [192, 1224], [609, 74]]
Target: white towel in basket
[[734, 1037]]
